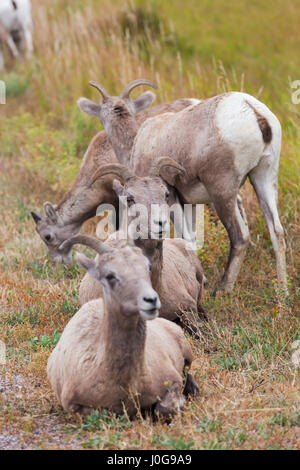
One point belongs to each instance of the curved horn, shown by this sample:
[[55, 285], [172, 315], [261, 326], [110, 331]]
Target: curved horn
[[161, 163], [101, 90], [114, 168], [134, 84], [92, 242]]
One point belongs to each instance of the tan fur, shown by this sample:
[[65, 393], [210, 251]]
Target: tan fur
[[220, 142], [176, 275], [81, 201], [109, 357]]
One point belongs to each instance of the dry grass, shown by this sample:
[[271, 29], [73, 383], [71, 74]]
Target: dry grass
[[249, 386]]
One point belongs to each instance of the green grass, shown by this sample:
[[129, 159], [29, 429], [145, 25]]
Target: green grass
[[249, 394]]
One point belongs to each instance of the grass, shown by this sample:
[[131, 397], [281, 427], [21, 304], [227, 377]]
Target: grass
[[249, 386]]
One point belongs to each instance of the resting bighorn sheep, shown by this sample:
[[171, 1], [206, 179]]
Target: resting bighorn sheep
[[109, 356], [220, 142], [82, 200], [176, 273], [15, 27]]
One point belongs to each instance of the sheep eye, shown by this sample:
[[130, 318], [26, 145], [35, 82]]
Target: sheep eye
[[130, 201], [111, 277], [48, 238], [167, 195]]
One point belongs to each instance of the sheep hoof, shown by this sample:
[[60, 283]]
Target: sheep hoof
[[83, 410], [191, 387], [171, 404], [202, 315], [222, 291]]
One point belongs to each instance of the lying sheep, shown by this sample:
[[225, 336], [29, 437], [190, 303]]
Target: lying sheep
[[81, 201], [109, 356], [176, 272], [176, 275]]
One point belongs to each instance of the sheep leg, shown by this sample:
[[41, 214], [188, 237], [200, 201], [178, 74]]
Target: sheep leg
[[238, 232], [7, 38], [171, 403], [185, 224], [189, 323], [28, 41], [264, 181], [1, 59], [191, 387], [213, 216], [202, 313], [243, 214], [11, 45]]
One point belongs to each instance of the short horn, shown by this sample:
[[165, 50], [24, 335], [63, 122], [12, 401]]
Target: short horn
[[163, 162], [114, 168], [101, 90], [37, 217], [135, 84], [91, 242]]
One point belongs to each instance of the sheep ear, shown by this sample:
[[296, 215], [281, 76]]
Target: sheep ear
[[169, 175], [118, 187], [50, 212], [143, 101], [37, 217], [88, 264], [89, 107]]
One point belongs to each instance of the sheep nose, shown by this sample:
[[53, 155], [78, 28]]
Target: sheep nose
[[160, 223], [151, 300]]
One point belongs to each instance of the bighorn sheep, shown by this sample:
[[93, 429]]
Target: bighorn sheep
[[220, 142], [81, 201], [108, 355], [15, 27], [176, 273]]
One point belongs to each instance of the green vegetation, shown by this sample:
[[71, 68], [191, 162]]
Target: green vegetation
[[249, 387]]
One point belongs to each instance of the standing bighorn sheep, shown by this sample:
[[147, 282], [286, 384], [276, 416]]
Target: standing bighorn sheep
[[176, 273], [220, 142], [15, 27], [82, 200], [109, 356]]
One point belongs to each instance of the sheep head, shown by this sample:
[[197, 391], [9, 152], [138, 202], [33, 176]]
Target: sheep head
[[116, 108], [147, 197], [52, 229], [124, 274]]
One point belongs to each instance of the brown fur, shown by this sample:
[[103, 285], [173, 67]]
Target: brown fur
[[216, 163], [109, 357], [263, 124], [176, 275], [81, 201], [192, 138]]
